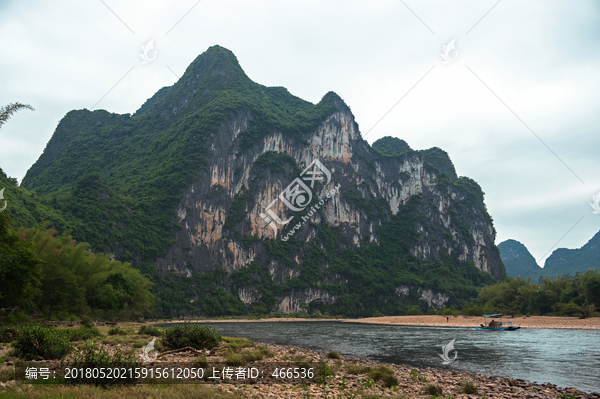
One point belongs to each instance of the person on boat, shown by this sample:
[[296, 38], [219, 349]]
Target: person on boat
[[494, 323]]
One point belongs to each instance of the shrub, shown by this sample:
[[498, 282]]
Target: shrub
[[414, 311], [434, 390], [150, 330], [34, 341], [252, 356], [8, 334], [236, 344], [87, 322], [357, 369], [384, 374], [233, 359], [323, 374], [468, 387], [192, 335], [82, 333], [117, 331], [201, 362], [301, 362], [448, 312], [333, 355], [266, 352], [92, 358], [414, 374]]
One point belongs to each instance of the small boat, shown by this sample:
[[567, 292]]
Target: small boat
[[495, 325]]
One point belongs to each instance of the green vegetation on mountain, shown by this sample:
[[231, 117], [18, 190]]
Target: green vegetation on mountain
[[570, 261], [393, 146], [518, 261]]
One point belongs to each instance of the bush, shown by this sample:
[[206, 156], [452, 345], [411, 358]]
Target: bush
[[87, 322], [384, 374], [236, 344], [90, 357], [192, 335], [252, 356], [434, 390], [233, 359], [150, 330], [468, 387], [117, 331], [323, 374], [266, 352], [414, 311], [357, 369], [448, 312], [201, 362], [333, 355], [34, 341], [82, 333], [8, 334]]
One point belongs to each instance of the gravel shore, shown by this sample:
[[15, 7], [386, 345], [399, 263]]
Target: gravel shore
[[410, 385]]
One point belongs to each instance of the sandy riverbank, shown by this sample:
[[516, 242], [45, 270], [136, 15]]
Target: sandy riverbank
[[474, 321], [433, 320]]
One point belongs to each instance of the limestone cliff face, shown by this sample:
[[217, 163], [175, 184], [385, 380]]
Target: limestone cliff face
[[452, 219]]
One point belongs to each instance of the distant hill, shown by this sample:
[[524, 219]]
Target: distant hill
[[517, 260], [571, 261], [567, 262]]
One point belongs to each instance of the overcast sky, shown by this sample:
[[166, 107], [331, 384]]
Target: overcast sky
[[517, 110]]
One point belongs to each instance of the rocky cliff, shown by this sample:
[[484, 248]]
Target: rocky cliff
[[278, 204]]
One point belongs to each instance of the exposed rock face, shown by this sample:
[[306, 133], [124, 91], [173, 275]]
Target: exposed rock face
[[292, 303], [434, 300], [451, 223]]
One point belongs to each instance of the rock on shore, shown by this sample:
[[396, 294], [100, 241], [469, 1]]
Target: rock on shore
[[346, 385]]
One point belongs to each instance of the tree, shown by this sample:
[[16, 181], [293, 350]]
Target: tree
[[20, 269], [7, 111], [75, 280], [592, 288], [585, 310]]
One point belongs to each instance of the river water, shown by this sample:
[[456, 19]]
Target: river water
[[567, 358]]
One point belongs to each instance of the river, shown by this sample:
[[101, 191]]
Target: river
[[567, 358]]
